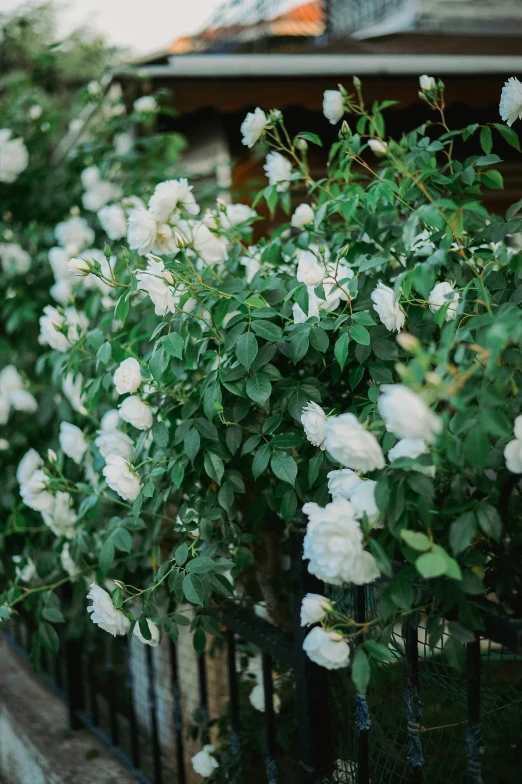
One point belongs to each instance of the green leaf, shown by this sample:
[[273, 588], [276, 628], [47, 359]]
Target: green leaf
[[214, 466], [512, 211], [379, 651], [221, 585], [158, 364], [486, 139], [267, 330], [416, 540], [360, 670], [174, 344], [510, 135], [53, 615], [106, 556], [199, 641], [104, 353], [476, 446], [319, 339], [489, 520], [246, 349], [160, 434], [259, 388], [200, 565], [181, 554], [310, 137], [48, 637], [194, 589], [493, 179], [191, 444], [260, 461], [233, 437], [212, 396], [144, 628], [360, 334], [298, 346], [288, 505], [431, 565], [121, 311], [314, 467], [287, 440], [284, 467], [176, 584], [341, 349], [122, 540], [462, 530]]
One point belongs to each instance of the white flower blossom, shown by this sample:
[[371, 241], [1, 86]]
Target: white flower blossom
[[251, 263], [313, 420], [313, 307], [314, 608], [35, 112], [333, 105], [353, 446], [253, 126], [510, 101], [257, 699], [442, 294], [127, 377], [362, 498], [34, 492], [387, 306], [145, 105], [203, 762], [15, 260], [104, 614], [427, 83], [154, 631], [68, 565], [513, 450], [157, 282], [61, 517], [121, 478], [113, 221], [78, 267], [29, 463], [137, 413], [22, 400], [406, 414], [412, 448], [378, 146], [74, 234], [13, 156], [58, 330], [303, 216], [169, 196], [342, 483], [114, 442], [209, 246], [72, 441], [235, 215], [278, 170], [72, 386], [123, 143], [327, 649], [309, 270], [141, 230]]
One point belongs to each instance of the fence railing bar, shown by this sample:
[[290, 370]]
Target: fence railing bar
[[203, 697], [413, 705], [473, 735], [363, 754], [156, 748], [233, 688], [270, 725], [133, 723], [110, 691], [74, 681], [177, 715], [257, 631]]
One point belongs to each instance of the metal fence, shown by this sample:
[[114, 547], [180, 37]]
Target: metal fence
[[421, 720]]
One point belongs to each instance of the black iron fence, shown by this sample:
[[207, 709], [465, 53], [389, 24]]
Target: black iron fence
[[421, 721]]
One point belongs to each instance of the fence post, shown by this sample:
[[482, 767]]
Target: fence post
[[74, 681], [311, 681]]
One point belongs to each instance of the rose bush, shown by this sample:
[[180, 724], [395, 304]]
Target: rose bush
[[368, 350]]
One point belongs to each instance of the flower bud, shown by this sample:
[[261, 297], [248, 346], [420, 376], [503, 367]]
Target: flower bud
[[356, 82], [52, 456], [79, 267], [75, 210], [301, 143], [408, 342]]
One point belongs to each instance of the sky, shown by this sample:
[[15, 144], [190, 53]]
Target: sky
[[141, 25]]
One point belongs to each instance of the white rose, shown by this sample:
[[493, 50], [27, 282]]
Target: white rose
[[427, 83], [137, 413], [26, 573], [61, 517], [72, 442], [10, 380], [52, 326], [342, 483], [73, 390], [34, 493], [90, 177], [5, 409], [251, 265], [350, 444], [440, 296], [510, 101], [313, 420], [123, 143], [74, 234], [412, 448], [278, 170], [154, 631], [211, 247], [59, 261], [103, 192], [156, 280], [29, 463], [110, 420], [327, 649], [513, 456], [314, 608], [68, 565], [253, 126], [104, 613], [333, 105], [62, 292], [236, 214], [309, 270], [303, 216], [362, 498], [35, 112], [113, 221], [333, 544], [13, 156], [22, 400], [517, 426], [113, 442], [141, 230], [406, 414], [203, 762], [78, 267], [145, 104], [15, 260], [127, 377], [257, 699], [170, 195], [387, 306], [77, 324], [121, 478], [4, 444], [313, 308], [377, 146]]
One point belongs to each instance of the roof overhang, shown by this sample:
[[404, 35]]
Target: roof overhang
[[248, 66]]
